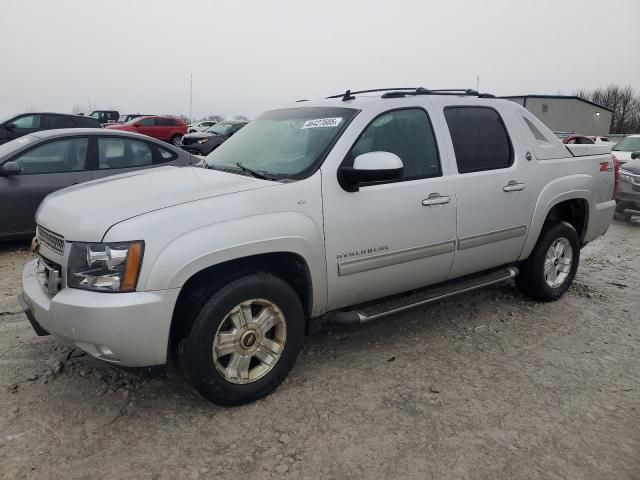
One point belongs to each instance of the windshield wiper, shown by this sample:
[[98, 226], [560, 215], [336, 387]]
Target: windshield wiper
[[253, 173]]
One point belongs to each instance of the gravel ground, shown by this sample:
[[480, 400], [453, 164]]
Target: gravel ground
[[484, 385]]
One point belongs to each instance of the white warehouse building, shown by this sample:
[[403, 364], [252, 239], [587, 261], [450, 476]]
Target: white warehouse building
[[567, 114]]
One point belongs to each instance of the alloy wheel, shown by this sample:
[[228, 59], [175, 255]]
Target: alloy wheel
[[249, 341]]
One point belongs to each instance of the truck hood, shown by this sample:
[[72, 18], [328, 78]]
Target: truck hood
[[85, 212]]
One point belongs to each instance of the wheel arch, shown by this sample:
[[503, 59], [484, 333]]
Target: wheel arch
[[287, 266], [571, 205]]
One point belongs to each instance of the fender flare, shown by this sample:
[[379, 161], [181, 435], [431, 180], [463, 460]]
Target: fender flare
[[574, 187], [214, 244]]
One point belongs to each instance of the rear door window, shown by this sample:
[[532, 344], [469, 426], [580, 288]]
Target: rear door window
[[480, 139], [123, 153], [58, 121]]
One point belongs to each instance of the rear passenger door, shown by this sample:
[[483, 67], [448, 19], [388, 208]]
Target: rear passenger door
[[493, 198]]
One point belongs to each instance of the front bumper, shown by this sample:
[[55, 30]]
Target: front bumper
[[629, 194], [128, 329]]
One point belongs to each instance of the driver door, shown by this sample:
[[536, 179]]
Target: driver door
[[393, 236], [44, 169]]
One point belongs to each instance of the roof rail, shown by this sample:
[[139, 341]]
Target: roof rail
[[402, 92]]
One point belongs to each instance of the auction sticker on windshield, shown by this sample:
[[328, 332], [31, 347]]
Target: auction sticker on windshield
[[322, 122]]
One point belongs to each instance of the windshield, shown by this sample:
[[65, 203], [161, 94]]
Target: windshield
[[284, 143], [629, 144], [95, 114], [222, 128]]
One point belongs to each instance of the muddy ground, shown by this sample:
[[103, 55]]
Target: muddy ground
[[485, 385]]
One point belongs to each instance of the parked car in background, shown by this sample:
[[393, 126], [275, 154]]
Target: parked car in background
[[626, 147], [203, 143], [577, 140], [342, 210], [598, 140], [130, 116], [17, 126], [37, 164], [105, 116], [628, 194], [201, 126], [169, 129]]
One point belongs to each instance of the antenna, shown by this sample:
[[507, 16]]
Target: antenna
[[191, 98]]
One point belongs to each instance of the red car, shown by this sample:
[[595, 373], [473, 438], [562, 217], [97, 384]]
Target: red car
[[169, 129]]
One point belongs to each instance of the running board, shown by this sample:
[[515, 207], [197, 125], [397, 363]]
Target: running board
[[398, 303]]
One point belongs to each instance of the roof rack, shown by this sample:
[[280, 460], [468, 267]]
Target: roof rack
[[403, 92]]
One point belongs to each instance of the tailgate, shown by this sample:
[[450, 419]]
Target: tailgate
[[587, 150]]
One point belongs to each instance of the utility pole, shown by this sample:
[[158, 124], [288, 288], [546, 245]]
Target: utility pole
[[477, 83], [191, 98]]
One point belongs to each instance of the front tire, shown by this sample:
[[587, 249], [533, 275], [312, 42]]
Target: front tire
[[550, 269], [176, 140], [243, 340]]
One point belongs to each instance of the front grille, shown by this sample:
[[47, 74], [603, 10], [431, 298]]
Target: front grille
[[52, 240], [188, 140]]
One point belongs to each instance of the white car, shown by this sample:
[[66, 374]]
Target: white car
[[340, 210], [626, 147], [201, 126], [598, 140]]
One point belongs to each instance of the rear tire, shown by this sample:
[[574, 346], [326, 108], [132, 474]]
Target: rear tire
[[243, 340], [550, 269]]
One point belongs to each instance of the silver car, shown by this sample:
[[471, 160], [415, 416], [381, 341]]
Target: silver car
[[37, 164]]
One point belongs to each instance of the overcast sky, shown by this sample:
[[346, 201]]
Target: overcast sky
[[248, 56]]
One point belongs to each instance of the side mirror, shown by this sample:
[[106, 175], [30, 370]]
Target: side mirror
[[370, 167], [10, 126], [635, 155], [10, 168]]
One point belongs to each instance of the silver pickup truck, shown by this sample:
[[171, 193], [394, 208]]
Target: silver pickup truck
[[341, 210]]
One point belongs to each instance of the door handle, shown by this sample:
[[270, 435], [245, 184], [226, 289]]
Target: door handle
[[435, 199], [513, 186]]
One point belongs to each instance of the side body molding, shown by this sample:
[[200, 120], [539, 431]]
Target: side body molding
[[196, 250], [571, 187]]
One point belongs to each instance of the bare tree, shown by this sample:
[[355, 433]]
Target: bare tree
[[241, 118], [77, 110], [214, 117], [624, 103]]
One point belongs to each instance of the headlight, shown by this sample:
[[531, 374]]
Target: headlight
[[105, 267], [203, 140], [626, 177]]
